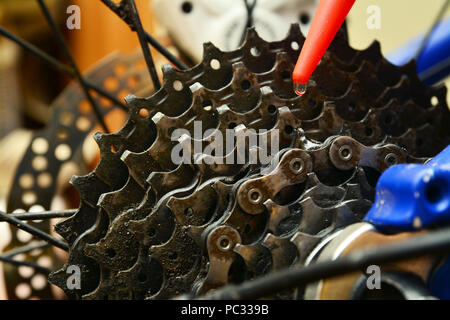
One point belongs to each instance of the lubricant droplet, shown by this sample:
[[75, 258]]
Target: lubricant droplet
[[300, 88]]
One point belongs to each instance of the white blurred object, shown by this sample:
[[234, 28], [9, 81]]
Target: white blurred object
[[194, 22]]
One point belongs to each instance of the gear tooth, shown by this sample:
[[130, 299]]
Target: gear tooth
[[63, 228], [129, 97], [314, 218], [114, 253], [240, 249], [241, 72], [112, 256], [351, 211], [76, 181], [277, 214], [164, 253], [282, 250], [167, 70], [221, 188], [223, 109], [125, 155], [296, 239], [185, 139], [294, 31], [164, 182], [208, 44], [71, 229], [138, 228], [161, 121], [82, 184], [240, 129], [104, 200], [200, 160], [270, 204], [197, 89], [132, 100], [365, 68], [375, 49], [135, 103], [91, 250], [353, 191], [266, 91], [209, 49], [99, 137], [197, 209], [440, 91], [269, 240], [256, 257], [286, 118], [239, 67], [305, 244], [157, 117], [129, 158], [281, 57], [410, 68], [59, 279], [313, 180], [179, 285], [250, 37], [112, 202], [388, 93], [140, 165]]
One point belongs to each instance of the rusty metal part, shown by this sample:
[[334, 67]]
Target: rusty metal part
[[220, 244], [204, 224]]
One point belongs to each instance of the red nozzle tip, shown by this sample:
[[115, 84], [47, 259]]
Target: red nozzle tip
[[300, 88], [328, 19]]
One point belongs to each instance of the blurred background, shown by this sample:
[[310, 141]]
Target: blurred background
[[29, 87]]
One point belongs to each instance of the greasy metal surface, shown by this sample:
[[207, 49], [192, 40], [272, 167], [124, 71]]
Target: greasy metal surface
[[163, 229]]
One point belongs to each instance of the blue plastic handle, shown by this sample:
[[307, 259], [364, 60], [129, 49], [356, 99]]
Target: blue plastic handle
[[413, 196], [434, 63]]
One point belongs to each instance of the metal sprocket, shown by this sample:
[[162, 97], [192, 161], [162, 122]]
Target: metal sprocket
[[148, 228]]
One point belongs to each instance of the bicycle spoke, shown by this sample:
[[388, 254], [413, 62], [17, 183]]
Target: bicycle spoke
[[78, 75], [34, 231], [120, 12], [137, 27], [57, 64], [36, 51], [24, 249], [25, 263], [106, 95], [43, 215]]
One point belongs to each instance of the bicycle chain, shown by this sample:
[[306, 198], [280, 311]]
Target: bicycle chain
[[147, 228]]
